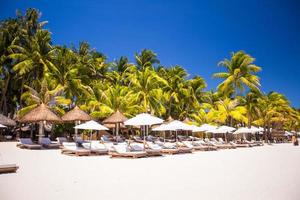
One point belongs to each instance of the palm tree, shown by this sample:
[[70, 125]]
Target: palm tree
[[176, 79], [149, 87], [273, 108], [146, 58], [50, 97], [117, 97], [240, 72], [34, 58], [250, 102], [228, 110], [67, 74]]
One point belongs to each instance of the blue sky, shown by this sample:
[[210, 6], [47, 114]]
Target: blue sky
[[193, 34]]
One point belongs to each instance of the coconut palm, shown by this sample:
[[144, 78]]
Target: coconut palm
[[34, 58], [66, 73], [240, 72], [148, 85], [50, 97], [227, 111], [250, 102], [176, 79], [114, 98], [146, 58], [273, 108]]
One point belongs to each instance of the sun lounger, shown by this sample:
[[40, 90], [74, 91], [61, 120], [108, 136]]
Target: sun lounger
[[47, 143], [141, 147], [105, 138], [189, 144], [138, 139], [8, 168], [169, 148], [122, 151], [28, 144], [183, 148], [60, 140], [239, 145], [219, 145], [209, 146], [71, 148], [95, 147]]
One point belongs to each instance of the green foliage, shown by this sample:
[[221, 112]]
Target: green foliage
[[33, 71]]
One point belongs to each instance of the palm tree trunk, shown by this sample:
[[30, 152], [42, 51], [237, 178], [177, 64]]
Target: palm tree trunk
[[3, 103]]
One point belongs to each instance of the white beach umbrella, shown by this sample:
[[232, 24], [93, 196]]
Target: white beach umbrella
[[255, 130], [195, 128], [91, 125], [206, 127], [143, 119], [221, 129], [243, 130], [162, 127], [227, 128], [178, 125], [2, 126]]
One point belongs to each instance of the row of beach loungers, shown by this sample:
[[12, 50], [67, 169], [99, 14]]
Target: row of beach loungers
[[135, 148]]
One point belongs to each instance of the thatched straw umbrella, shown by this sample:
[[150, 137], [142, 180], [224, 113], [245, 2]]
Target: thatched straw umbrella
[[41, 115], [76, 115], [117, 118], [6, 121]]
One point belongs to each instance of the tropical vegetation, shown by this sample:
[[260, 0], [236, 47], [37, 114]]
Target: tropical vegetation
[[33, 71]]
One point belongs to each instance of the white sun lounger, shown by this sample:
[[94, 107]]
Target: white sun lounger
[[70, 148], [95, 147], [123, 151]]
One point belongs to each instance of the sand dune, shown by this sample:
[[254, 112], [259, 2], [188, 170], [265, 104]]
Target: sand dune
[[268, 172]]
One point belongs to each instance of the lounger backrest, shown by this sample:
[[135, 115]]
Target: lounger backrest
[[121, 148], [153, 146], [169, 145], [45, 141], [70, 145], [78, 140], [105, 138], [98, 146], [26, 141], [187, 144], [137, 146], [60, 140]]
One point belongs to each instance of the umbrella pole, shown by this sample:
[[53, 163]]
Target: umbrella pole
[[117, 129], [76, 131], [91, 134], [144, 131]]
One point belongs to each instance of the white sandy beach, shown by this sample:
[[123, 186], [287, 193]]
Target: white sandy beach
[[268, 172]]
